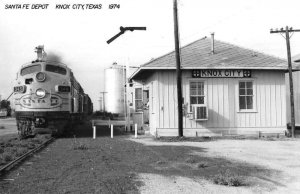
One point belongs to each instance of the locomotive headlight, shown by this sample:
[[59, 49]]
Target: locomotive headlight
[[40, 93], [40, 76]]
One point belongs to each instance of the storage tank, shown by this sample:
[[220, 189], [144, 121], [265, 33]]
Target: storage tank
[[114, 88]]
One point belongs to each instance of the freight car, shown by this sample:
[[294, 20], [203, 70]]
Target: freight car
[[47, 97]]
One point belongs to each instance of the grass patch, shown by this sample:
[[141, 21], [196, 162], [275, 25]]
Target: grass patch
[[191, 160], [228, 178], [37, 141], [184, 139], [202, 165], [77, 145], [7, 157], [21, 151], [11, 147], [159, 162], [81, 146]]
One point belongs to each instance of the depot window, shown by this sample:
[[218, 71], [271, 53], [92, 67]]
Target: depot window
[[246, 95], [56, 69], [31, 69], [197, 93]]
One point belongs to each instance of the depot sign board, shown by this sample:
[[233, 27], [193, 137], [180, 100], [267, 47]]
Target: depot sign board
[[221, 73]]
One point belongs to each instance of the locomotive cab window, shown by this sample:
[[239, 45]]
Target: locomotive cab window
[[31, 69], [56, 69]]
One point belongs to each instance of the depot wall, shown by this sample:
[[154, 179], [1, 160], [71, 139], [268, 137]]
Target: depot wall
[[224, 116]]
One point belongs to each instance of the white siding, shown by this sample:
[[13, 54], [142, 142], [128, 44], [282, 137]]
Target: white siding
[[222, 102]]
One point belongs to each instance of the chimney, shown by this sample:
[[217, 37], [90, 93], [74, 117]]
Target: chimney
[[212, 47]]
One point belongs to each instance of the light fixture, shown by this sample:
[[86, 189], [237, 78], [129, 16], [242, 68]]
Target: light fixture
[[40, 76], [40, 93]]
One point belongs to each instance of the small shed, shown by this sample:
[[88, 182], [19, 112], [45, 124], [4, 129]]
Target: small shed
[[226, 89]]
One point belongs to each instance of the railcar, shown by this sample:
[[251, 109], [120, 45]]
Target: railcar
[[47, 97]]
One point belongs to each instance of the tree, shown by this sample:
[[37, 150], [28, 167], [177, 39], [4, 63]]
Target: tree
[[5, 104]]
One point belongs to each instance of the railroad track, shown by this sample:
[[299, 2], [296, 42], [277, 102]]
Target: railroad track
[[11, 164]]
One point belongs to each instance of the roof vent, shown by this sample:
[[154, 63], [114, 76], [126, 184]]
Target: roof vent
[[254, 54], [212, 46]]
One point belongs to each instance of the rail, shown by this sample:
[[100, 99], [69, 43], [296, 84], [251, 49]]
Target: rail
[[24, 156]]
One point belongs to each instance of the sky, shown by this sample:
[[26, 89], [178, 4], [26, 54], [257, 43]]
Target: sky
[[79, 36]]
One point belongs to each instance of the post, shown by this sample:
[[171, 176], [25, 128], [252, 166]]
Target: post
[[94, 132], [127, 97], [135, 130], [178, 72], [124, 86], [287, 35], [112, 131]]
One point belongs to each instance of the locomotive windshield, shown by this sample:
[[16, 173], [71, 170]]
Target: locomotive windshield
[[56, 69], [31, 69]]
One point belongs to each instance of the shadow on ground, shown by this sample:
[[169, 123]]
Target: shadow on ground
[[114, 166], [190, 162]]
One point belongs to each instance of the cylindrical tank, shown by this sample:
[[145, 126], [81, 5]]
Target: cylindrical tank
[[114, 88]]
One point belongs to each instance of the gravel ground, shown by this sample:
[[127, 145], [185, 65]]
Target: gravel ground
[[127, 165], [279, 156]]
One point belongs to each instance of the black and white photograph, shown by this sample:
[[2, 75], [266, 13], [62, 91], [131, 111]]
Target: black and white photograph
[[149, 96]]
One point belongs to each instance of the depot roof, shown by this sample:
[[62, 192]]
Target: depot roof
[[199, 55]]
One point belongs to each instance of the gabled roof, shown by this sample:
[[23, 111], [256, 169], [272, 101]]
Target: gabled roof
[[198, 55]]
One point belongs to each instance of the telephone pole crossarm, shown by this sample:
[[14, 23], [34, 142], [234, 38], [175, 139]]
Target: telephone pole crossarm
[[282, 30]]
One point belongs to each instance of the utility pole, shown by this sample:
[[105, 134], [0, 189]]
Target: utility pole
[[103, 97], [287, 37], [178, 71], [100, 104]]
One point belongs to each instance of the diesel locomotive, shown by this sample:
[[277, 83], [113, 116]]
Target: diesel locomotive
[[47, 97]]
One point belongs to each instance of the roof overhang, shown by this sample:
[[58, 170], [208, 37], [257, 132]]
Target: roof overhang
[[142, 70]]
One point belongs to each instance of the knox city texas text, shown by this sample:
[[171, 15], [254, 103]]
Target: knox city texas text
[[211, 73]]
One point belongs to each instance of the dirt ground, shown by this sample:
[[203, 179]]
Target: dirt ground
[[126, 165]]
